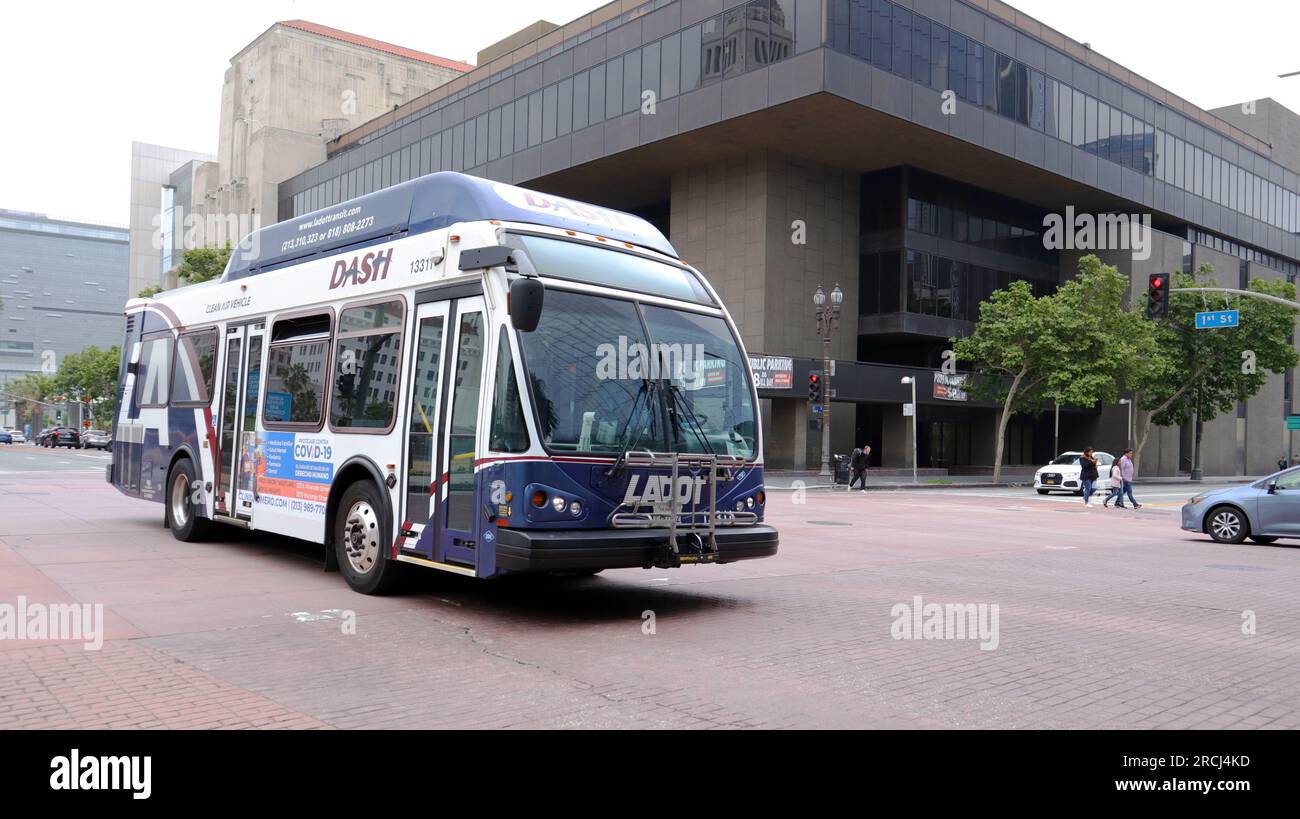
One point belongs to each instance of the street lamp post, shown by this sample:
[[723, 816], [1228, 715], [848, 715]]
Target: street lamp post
[[1056, 428], [828, 319], [1128, 430], [907, 379]]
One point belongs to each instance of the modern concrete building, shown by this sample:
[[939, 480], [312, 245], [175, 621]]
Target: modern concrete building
[[908, 151], [285, 94], [152, 168], [62, 286]]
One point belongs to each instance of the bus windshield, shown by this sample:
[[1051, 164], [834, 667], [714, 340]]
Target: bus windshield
[[611, 375]]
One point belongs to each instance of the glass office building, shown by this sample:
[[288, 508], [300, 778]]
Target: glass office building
[[921, 143], [62, 287]]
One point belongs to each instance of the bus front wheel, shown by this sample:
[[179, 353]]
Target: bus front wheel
[[361, 540], [182, 516]]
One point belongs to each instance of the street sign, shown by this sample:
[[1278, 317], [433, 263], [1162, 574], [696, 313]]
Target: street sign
[[817, 409], [1217, 318], [1293, 422], [908, 410]]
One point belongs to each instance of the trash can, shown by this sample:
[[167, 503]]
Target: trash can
[[841, 469]]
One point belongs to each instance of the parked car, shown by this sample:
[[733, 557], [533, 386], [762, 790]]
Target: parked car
[[60, 436], [96, 439], [6, 437], [1062, 474], [1262, 511], [19, 437]]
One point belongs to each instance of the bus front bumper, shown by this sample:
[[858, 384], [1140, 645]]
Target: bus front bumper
[[520, 550]]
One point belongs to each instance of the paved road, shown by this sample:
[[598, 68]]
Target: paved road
[[1105, 619]]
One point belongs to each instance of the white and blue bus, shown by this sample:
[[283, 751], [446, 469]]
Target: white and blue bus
[[451, 373]]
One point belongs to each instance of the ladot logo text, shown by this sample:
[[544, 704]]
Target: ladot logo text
[[75, 772]]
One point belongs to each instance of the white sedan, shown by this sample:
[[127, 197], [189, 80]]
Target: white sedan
[[17, 435], [1062, 474]]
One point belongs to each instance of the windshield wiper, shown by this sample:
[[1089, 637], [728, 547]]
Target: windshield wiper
[[681, 407], [647, 387]]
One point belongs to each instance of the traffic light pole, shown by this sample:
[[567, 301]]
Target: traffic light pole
[[1251, 293], [826, 403]]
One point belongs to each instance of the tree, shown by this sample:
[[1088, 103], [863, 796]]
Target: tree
[[28, 391], [150, 291], [91, 373], [1209, 371], [201, 264], [1075, 345]]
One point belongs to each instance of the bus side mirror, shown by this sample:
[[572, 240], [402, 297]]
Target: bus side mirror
[[524, 303]]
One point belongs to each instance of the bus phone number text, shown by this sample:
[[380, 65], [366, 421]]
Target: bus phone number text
[[335, 232]]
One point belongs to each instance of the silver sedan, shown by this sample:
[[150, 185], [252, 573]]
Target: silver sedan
[[1262, 511]]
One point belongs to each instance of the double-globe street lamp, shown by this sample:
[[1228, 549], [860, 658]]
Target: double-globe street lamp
[[828, 319]]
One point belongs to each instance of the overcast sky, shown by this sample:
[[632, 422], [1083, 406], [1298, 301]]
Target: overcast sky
[[91, 77]]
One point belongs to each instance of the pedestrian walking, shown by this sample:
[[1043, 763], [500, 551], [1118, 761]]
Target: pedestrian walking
[[858, 464], [1127, 470], [1087, 473], [1116, 485]]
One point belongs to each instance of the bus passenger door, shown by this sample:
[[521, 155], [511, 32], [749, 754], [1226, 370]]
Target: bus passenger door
[[461, 517], [237, 438], [420, 515]]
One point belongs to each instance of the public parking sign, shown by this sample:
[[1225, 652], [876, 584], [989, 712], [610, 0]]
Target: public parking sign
[[1217, 318]]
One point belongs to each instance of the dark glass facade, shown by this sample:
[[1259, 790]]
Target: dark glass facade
[[936, 247], [1117, 123], [743, 38], [910, 45]]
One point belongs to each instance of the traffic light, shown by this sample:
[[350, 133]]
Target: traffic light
[[815, 388], [1157, 296]]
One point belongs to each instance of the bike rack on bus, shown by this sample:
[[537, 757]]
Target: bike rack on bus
[[671, 512]]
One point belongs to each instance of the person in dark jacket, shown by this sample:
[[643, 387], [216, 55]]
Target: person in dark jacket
[[858, 464], [1087, 473]]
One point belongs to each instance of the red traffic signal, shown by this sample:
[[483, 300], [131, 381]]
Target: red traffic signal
[[814, 387], [1157, 296]]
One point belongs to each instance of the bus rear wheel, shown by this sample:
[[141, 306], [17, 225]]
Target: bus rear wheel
[[182, 517], [361, 541]]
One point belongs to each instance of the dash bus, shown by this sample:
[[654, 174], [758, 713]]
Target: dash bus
[[452, 373]]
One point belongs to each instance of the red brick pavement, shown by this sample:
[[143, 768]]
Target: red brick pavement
[[1137, 625]]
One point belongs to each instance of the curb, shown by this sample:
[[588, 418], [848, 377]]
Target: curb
[[885, 487]]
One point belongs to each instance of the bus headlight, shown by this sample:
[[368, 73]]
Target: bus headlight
[[575, 508], [740, 506], [557, 503], [750, 501]]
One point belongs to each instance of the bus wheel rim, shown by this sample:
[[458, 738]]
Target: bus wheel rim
[[361, 537], [180, 500]]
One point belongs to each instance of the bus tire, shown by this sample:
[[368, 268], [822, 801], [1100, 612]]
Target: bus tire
[[361, 542], [180, 515]]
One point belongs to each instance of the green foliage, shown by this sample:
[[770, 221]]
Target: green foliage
[[91, 373], [26, 392], [202, 264], [1075, 345], [150, 291], [1213, 369]]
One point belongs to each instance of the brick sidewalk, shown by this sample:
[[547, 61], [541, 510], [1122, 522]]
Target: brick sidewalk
[[1134, 625]]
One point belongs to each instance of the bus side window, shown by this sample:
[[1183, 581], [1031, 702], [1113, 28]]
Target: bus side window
[[193, 368], [151, 376], [509, 433], [367, 367], [295, 377]]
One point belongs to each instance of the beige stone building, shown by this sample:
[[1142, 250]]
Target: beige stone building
[[292, 89]]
